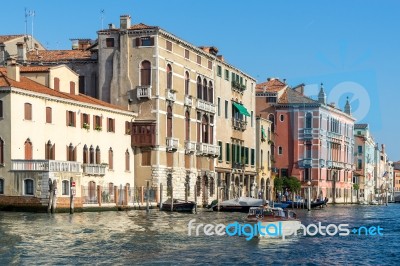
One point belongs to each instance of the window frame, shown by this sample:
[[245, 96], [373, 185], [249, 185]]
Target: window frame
[[1, 186], [30, 180], [27, 111], [110, 42], [65, 187]]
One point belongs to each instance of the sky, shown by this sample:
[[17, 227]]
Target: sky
[[352, 47]]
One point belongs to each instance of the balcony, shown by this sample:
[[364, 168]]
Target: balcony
[[237, 165], [45, 166], [143, 134], [188, 100], [205, 106], [335, 165], [308, 133], [143, 92], [239, 124], [171, 95], [207, 149], [172, 144], [190, 147], [307, 163], [334, 135], [237, 86], [94, 169]]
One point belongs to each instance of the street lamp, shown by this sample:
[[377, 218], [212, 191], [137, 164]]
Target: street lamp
[[309, 196]]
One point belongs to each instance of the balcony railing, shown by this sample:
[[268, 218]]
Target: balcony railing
[[143, 92], [335, 164], [205, 106], [172, 144], [94, 169], [208, 149], [171, 95], [307, 163], [334, 135], [237, 86], [190, 146], [239, 124], [188, 100], [308, 133], [45, 166]]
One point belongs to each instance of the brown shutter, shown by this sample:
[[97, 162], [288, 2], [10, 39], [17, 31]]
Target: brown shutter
[[46, 151], [137, 42], [94, 122], [67, 119], [74, 119], [67, 153], [57, 84], [81, 120], [75, 152], [108, 125], [152, 41], [72, 87], [101, 121], [88, 119], [53, 152]]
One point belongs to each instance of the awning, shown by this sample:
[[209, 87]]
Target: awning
[[264, 136], [241, 109]]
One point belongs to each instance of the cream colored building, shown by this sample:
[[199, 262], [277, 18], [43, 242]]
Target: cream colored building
[[180, 98], [17, 47], [52, 132]]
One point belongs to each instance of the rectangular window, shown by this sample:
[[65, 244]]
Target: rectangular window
[[209, 64], [110, 125], [226, 109], [48, 115], [226, 74], [71, 119], [1, 109], [109, 42], [359, 149], [219, 106], [359, 164], [97, 123], [219, 71], [56, 84], [246, 154], [82, 84], [85, 121], [1, 186], [28, 111], [220, 150], [186, 53], [252, 157], [168, 44], [147, 41], [146, 158], [65, 187], [199, 59], [228, 155]]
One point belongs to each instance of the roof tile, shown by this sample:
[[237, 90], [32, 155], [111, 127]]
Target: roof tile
[[58, 55]]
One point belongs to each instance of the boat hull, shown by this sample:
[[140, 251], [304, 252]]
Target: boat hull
[[180, 207], [272, 229], [303, 205]]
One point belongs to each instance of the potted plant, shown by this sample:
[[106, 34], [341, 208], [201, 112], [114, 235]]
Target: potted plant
[[98, 128], [86, 126]]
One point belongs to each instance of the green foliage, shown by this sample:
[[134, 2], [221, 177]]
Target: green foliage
[[292, 183], [356, 186], [278, 184]]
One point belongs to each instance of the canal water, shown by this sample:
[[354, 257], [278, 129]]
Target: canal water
[[161, 238]]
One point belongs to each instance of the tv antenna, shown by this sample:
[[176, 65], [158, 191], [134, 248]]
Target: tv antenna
[[29, 13], [102, 17]]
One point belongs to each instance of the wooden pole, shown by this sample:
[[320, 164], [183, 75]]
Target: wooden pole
[[161, 193], [195, 197], [99, 195], [147, 196], [50, 196], [172, 197], [71, 196], [54, 202]]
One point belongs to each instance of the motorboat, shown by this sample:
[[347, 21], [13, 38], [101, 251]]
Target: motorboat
[[241, 204], [374, 202], [303, 204], [179, 206], [274, 222]]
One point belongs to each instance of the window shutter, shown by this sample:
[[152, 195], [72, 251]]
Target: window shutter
[[67, 118], [137, 42], [75, 152], [74, 120], [72, 87], [81, 120], [57, 84], [46, 151], [94, 122], [88, 119], [53, 152], [67, 149], [101, 121], [108, 125]]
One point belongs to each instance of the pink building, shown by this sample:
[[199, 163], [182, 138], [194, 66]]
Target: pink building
[[313, 140]]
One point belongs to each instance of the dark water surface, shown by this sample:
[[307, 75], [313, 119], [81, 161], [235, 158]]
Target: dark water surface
[[160, 238]]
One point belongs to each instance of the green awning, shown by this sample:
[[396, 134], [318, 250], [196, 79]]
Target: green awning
[[241, 109], [264, 136]]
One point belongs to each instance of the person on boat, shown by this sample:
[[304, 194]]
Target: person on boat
[[266, 205]]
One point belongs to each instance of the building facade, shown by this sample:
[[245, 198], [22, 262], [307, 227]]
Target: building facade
[[17, 46]]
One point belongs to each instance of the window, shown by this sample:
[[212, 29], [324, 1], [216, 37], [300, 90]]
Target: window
[[56, 84], [219, 106], [110, 125], [284, 172], [127, 127], [308, 120], [85, 121], [226, 109], [272, 119], [186, 53], [28, 186], [127, 160], [65, 187], [28, 150], [82, 84], [145, 41], [220, 150], [199, 59], [359, 132], [359, 149], [199, 88], [97, 122], [1, 151], [71, 153], [187, 126], [251, 117], [91, 155], [210, 92], [50, 151], [204, 129], [1, 186], [280, 150], [146, 158], [205, 90], [252, 157], [359, 164], [72, 87], [85, 155], [110, 159], [1, 109], [219, 71], [227, 148], [209, 64], [98, 155], [28, 111], [71, 119], [145, 73], [48, 115], [168, 44], [169, 76], [187, 83], [246, 155], [169, 121], [282, 118], [109, 42], [226, 74]]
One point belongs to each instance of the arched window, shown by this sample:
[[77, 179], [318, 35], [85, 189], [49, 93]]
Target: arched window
[[169, 185], [205, 90], [308, 120], [210, 92], [71, 153], [28, 187], [169, 121], [91, 155], [92, 192], [271, 118], [1, 151], [1, 186], [187, 126], [28, 150], [204, 129], [187, 83], [85, 154], [127, 161], [110, 159], [280, 150], [65, 187], [169, 76], [145, 73], [98, 160], [199, 88]]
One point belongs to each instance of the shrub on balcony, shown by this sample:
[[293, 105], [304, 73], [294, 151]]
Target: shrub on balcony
[[86, 126], [98, 128]]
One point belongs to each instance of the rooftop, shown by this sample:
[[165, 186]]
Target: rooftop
[[292, 96], [58, 55], [5, 38], [360, 126], [272, 85]]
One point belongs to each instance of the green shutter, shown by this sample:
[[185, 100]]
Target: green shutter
[[252, 156], [242, 155], [247, 156], [228, 157]]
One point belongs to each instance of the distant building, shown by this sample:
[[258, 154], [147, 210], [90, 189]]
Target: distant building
[[313, 140], [17, 47]]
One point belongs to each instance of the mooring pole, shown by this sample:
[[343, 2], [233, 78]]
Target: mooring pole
[[54, 202], [50, 196], [172, 197], [147, 196], [71, 198]]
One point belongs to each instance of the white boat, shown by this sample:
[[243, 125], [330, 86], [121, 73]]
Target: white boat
[[374, 202], [274, 222]]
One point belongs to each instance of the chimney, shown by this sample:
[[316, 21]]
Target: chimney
[[21, 53], [383, 148], [125, 22], [13, 70], [221, 57], [2, 54], [83, 44], [111, 26]]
